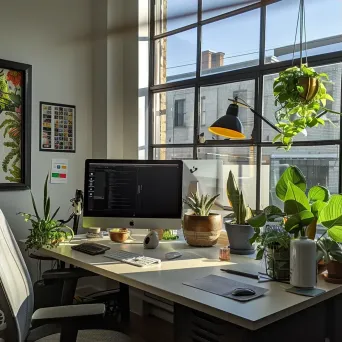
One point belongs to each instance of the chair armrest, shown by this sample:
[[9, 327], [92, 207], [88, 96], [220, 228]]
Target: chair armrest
[[59, 313], [69, 273]]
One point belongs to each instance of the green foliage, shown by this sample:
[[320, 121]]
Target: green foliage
[[273, 237], [329, 250], [300, 210], [294, 175], [299, 111], [169, 235], [200, 205], [270, 214], [241, 211], [45, 231], [331, 217]]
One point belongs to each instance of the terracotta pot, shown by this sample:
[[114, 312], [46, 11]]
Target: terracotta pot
[[334, 270], [310, 85], [202, 231], [119, 236]]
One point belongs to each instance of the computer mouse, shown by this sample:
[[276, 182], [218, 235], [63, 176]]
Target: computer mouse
[[243, 292]]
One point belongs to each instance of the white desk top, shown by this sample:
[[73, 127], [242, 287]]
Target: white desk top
[[166, 281]]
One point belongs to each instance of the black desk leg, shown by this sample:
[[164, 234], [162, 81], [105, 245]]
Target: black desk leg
[[124, 303]]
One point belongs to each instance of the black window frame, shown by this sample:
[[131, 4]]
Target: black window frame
[[255, 73]]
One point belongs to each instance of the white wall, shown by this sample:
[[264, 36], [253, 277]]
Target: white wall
[[54, 37]]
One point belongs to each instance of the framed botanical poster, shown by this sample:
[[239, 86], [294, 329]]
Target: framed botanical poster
[[57, 127], [15, 125]]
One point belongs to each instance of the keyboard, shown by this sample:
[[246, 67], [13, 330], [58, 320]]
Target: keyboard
[[90, 248], [132, 258]]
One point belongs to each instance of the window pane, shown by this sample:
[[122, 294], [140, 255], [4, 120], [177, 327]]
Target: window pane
[[327, 132], [174, 117], [173, 14], [320, 165], [175, 57], [173, 153], [322, 37], [212, 8], [231, 44], [215, 101], [242, 162]]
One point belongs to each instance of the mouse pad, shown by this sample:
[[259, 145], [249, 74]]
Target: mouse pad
[[224, 287]]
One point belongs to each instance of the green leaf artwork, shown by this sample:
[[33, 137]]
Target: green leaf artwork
[[11, 123]]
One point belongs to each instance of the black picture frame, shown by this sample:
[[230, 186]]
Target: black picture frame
[[25, 133], [44, 103]]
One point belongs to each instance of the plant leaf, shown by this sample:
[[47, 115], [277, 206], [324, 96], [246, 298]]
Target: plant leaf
[[295, 176], [318, 193], [331, 217], [55, 213], [295, 200], [34, 207], [317, 207], [45, 191], [257, 221]]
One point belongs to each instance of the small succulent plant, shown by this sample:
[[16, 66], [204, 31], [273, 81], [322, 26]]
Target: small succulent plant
[[200, 204]]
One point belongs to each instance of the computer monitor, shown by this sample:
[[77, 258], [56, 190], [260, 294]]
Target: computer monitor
[[133, 194]]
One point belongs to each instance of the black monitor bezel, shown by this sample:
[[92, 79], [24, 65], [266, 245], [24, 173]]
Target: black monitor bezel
[[179, 163]]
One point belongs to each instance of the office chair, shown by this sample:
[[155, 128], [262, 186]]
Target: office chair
[[62, 323]]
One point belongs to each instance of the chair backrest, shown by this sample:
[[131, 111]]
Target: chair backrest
[[15, 285]]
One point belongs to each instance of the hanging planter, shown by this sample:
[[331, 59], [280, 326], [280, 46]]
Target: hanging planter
[[301, 94]]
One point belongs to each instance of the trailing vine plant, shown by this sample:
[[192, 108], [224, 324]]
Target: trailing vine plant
[[302, 96]]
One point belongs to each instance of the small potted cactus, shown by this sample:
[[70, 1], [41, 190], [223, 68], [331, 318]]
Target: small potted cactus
[[238, 230], [201, 227]]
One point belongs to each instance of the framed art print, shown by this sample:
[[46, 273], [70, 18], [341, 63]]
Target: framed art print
[[15, 125], [57, 127]]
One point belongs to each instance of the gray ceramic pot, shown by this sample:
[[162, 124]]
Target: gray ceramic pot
[[238, 236]]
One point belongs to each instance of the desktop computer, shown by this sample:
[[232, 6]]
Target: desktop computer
[[135, 194]]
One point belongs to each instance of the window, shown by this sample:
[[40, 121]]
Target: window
[[179, 113], [203, 112], [206, 52]]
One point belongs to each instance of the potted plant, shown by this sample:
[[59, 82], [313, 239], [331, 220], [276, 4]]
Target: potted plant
[[330, 252], [45, 231], [201, 227], [302, 97], [274, 246], [238, 230]]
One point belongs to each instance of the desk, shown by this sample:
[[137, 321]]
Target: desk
[[275, 314]]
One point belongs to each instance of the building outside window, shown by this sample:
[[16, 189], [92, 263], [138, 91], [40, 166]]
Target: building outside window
[[210, 55], [179, 113]]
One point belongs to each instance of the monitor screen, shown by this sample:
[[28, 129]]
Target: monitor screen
[[127, 188]]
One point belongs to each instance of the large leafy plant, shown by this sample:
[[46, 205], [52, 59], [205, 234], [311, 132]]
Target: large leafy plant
[[45, 231], [302, 96], [301, 211], [235, 196], [200, 204]]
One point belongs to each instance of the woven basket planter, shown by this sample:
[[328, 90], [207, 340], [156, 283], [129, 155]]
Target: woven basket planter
[[202, 231]]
